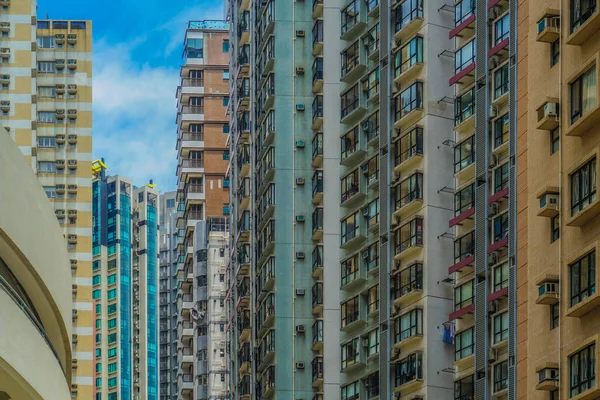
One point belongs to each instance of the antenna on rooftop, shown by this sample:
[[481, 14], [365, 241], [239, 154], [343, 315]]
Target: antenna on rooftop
[[47, 15]]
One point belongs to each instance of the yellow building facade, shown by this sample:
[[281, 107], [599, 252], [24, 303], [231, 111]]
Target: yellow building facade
[[46, 107]]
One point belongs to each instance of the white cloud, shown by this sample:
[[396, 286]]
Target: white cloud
[[134, 115]]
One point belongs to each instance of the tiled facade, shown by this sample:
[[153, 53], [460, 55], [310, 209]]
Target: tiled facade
[[202, 191], [46, 106]]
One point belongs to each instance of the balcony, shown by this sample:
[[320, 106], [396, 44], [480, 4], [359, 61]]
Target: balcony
[[244, 60], [353, 107], [243, 293], [408, 19], [583, 26], [243, 160], [464, 18], [464, 108], [317, 113], [351, 150], [243, 31], [317, 38], [317, 335], [243, 193], [317, 371], [409, 195], [317, 224], [317, 187], [317, 75], [408, 106], [408, 328], [317, 298], [186, 383], [407, 284], [317, 9], [194, 191], [408, 150], [186, 355], [351, 193], [243, 94], [464, 65], [408, 238], [187, 166], [317, 150], [352, 65], [189, 87], [243, 326], [464, 250], [190, 140], [243, 226], [408, 61], [352, 23], [187, 329], [409, 373]]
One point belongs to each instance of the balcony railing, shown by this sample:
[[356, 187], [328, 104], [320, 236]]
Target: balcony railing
[[317, 107], [191, 82], [191, 163], [192, 110], [317, 145], [193, 136]]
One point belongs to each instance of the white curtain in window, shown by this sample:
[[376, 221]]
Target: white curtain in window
[[588, 90]]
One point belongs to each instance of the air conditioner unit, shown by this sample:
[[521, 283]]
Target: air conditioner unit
[[493, 258], [493, 160], [549, 288], [300, 144], [366, 126], [365, 169], [550, 110], [365, 254], [300, 255], [300, 33], [493, 111], [299, 70], [300, 181], [548, 374], [365, 212], [300, 329], [365, 342], [300, 292], [299, 107], [300, 218], [300, 365], [492, 355]]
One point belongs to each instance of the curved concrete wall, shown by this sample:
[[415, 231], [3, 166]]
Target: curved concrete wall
[[33, 247]]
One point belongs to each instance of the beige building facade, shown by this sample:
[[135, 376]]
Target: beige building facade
[[35, 329], [46, 107]]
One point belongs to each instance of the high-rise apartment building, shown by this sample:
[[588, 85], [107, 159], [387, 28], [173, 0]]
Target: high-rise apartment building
[[285, 146], [558, 159], [46, 106], [202, 191], [485, 212], [125, 282], [35, 329], [168, 295]]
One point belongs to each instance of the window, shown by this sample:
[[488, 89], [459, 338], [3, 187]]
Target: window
[[225, 128], [408, 11], [46, 167], [501, 29], [500, 376], [46, 117], [112, 323], [465, 388], [98, 367], [226, 75], [500, 277], [408, 280], [410, 99], [349, 311], [350, 58], [226, 155], [464, 56], [46, 142], [96, 279], [350, 270], [500, 227], [98, 382], [98, 353], [349, 186], [409, 55], [554, 228], [582, 367], [409, 369], [225, 101], [349, 228], [46, 67], [350, 101], [373, 342], [350, 16], [112, 382], [464, 200], [46, 42], [112, 367], [501, 81], [193, 48], [112, 279], [96, 294], [351, 391], [500, 327], [98, 308], [50, 191], [463, 10], [112, 338], [409, 235], [221, 277], [463, 344], [581, 11], [501, 130], [583, 187], [554, 53], [350, 353], [554, 316], [463, 295], [583, 278], [464, 154], [409, 325], [409, 190], [225, 46], [500, 178], [554, 140], [583, 94], [464, 247], [464, 106], [112, 294], [98, 323], [47, 91]]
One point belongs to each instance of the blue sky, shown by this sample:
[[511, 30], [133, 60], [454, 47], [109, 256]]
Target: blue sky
[[137, 54]]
